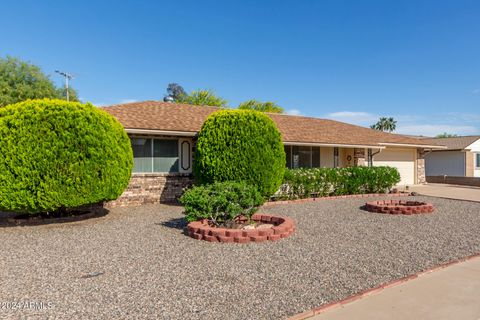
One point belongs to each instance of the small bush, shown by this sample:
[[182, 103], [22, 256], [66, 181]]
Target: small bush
[[56, 154], [221, 202], [240, 145], [302, 183]]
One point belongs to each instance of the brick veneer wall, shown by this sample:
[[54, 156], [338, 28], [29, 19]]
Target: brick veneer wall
[[147, 188], [421, 178]]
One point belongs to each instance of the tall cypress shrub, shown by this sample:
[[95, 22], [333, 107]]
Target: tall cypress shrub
[[57, 154], [240, 145]]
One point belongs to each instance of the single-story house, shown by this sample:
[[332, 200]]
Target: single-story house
[[461, 158], [163, 140]]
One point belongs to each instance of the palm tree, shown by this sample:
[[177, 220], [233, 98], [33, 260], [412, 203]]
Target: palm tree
[[385, 124]]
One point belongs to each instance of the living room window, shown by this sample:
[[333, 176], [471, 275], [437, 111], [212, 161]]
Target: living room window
[[155, 155], [302, 156], [477, 160]]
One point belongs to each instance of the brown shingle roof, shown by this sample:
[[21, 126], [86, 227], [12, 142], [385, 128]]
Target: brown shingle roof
[[155, 115], [454, 143]]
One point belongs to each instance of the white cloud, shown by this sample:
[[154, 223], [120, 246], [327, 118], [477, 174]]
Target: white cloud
[[127, 101], [293, 112], [434, 129], [354, 117]]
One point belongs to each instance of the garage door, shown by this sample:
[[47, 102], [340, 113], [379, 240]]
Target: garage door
[[402, 159]]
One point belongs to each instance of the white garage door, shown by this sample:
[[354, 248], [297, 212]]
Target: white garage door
[[402, 159]]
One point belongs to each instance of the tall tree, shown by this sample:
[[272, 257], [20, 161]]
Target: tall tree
[[261, 106], [385, 124], [446, 135], [203, 98], [20, 81], [175, 91]]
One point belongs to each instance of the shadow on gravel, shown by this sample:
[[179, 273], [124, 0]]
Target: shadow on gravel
[[177, 223], [79, 214]]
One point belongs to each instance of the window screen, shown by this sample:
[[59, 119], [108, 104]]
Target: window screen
[[154, 155], [165, 156], [142, 154]]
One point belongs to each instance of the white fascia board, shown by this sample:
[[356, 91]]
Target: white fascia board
[[162, 132], [313, 144], [411, 145]]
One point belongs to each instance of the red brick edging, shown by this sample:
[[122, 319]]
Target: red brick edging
[[331, 305], [283, 227], [399, 207], [365, 195]]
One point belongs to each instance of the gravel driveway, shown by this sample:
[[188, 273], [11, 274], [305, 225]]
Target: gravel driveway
[[135, 263]]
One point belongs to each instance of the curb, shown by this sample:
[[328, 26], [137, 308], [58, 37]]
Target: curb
[[334, 304]]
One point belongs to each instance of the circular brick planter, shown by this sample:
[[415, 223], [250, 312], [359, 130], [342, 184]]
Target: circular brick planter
[[399, 207], [283, 227]]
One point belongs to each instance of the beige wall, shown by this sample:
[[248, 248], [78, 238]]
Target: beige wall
[[469, 164], [326, 157]]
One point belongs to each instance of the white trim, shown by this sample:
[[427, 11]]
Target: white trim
[[162, 132], [313, 144], [411, 145]]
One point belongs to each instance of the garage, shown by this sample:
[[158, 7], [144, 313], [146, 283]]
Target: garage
[[402, 159]]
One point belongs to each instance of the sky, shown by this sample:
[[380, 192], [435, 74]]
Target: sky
[[353, 61]]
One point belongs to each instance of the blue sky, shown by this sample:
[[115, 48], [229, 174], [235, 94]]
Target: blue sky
[[353, 61]]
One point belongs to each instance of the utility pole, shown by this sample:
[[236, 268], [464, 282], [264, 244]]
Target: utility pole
[[67, 77]]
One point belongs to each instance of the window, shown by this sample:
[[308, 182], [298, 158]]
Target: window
[[155, 155], [302, 156], [477, 160], [288, 154]]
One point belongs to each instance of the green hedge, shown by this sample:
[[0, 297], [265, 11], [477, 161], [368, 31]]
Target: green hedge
[[302, 183], [56, 154], [221, 202], [240, 145]]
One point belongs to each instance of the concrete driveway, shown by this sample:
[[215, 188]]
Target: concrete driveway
[[449, 191], [450, 293]]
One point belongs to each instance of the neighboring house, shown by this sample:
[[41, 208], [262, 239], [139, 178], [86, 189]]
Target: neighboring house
[[163, 141], [460, 159]]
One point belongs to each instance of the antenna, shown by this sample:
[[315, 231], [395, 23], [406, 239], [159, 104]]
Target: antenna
[[67, 77]]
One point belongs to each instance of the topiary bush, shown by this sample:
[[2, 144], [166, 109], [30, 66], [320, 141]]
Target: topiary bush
[[56, 154], [302, 183], [240, 145], [221, 202]]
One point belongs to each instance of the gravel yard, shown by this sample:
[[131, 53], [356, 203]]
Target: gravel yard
[[135, 263]]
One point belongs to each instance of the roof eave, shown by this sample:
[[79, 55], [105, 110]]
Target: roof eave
[[319, 144], [411, 145], [161, 132]]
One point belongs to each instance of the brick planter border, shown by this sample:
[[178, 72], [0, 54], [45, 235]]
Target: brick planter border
[[348, 196], [283, 227], [399, 207]]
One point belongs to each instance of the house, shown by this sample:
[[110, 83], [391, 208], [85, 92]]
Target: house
[[163, 141], [461, 158]]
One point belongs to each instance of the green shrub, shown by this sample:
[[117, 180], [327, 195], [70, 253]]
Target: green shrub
[[221, 202], [56, 154], [302, 183], [240, 145]]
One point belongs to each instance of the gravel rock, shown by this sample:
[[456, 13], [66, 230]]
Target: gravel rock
[[136, 263]]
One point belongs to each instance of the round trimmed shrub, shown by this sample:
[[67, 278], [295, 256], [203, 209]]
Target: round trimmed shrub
[[240, 145], [56, 154]]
